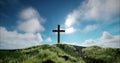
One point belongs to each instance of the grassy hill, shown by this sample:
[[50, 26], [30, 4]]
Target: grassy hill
[[61, 53]]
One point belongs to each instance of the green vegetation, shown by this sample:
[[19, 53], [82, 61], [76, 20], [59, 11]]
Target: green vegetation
[[61, 53], [97, 54]]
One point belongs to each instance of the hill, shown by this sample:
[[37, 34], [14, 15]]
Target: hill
[[61, 53]]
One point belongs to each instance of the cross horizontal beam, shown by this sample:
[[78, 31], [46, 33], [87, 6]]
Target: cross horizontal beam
[[59, 30]]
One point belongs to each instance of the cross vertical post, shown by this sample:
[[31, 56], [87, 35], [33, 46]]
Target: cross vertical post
[[58, 31], [58, 34]]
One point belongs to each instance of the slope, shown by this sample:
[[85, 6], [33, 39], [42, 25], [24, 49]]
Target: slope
[[62, 53]]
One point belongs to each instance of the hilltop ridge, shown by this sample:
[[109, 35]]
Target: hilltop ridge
[[61, 53]]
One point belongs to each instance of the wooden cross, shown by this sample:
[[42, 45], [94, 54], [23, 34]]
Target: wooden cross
[[58, 31]]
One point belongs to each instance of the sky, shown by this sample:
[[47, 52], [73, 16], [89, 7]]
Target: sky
[[25, 23]]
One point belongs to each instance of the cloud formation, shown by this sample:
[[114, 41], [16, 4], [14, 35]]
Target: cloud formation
[[13, 39], [89, 41], [93, 10], [70, 30], [71, 19], [100, 9], [31, 21], [48, 39], [106, 40], [31, 26]]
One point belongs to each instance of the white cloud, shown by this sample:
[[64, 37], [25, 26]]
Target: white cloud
[[31, 21], [29, 13], [30, 24], [71, 43], [89, 28], [48, 39], [69, 30], [72, 18], [89, 41], [106, 37], [13, 39], [93, 10], [100, 9], [106, 40]]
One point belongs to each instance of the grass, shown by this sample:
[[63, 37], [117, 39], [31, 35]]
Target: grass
[[61, 53]]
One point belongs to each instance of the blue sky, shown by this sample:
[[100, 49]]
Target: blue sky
[[26, 23]]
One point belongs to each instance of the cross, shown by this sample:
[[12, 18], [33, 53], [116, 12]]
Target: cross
[[58, 31]]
